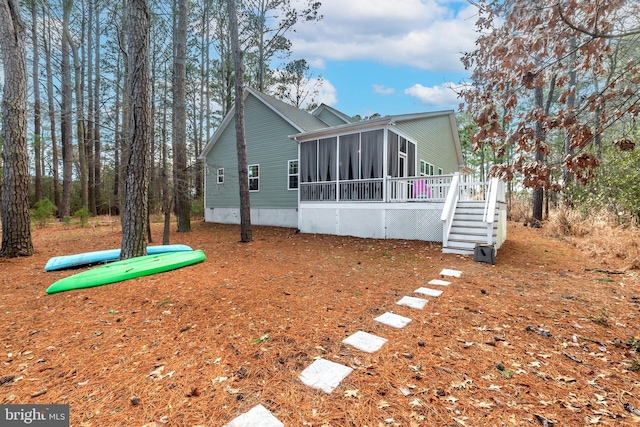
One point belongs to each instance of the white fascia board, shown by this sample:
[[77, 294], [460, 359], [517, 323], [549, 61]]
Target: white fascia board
[[342, 129]]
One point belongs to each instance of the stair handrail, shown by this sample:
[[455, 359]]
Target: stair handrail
[[490, 208], [449, 208]]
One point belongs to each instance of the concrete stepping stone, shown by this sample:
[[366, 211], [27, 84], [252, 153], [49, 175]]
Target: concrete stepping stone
[[393, 320], [438, 282], [258, 416], [452, 273], [365, 341], [324, 375], [413, 302], [428, 292]]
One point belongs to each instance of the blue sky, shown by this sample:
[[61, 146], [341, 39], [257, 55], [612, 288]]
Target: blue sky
[[388, 56]]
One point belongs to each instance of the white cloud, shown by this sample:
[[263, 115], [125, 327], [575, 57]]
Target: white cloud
[[327, 94], [383, 90], [442, 96], [427, 34]]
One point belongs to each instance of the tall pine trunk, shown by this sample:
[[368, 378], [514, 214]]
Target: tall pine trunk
[[65, 118], [241, 144], [37, 137], [16, 222], [179, 136], [46, 37], [135, 215]]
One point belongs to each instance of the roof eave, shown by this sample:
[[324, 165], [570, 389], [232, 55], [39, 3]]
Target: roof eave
[[341, 129]]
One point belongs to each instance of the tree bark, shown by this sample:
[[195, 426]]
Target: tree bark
[[37, 136], [80, 125], [179, 137], [52, 113], [241, 144], [96, 116], [135, 215], [89, 139], [65, 118], [16, 222]]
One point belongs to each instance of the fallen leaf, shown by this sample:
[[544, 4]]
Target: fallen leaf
[[261, 339], [494, 387], [415, 402], [451, 399], [219, 379], [485, 405], [383, 404], [351, 393]]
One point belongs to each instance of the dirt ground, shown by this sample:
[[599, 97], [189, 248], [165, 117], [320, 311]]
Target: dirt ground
[[547, 336]]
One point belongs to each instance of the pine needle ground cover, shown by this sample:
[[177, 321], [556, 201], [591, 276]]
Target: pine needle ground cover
[[547, 335]]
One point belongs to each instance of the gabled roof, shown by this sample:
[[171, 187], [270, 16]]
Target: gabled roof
[[342, 116], [296, 117], [299, 119]]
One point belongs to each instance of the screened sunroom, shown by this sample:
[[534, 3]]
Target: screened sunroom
[[354, 167]]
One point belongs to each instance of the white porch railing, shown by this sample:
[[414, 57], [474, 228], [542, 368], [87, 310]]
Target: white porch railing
[[398, 190], [419, 189], [360, 190]]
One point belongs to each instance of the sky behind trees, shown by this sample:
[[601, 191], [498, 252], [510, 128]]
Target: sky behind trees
[[388, 57]]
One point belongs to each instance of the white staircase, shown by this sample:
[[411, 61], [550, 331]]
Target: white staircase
[[468, 228], [468, 222]]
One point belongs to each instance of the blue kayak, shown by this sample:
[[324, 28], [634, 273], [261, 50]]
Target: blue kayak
[[109, 255]]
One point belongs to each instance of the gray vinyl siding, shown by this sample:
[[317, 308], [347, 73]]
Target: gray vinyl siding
[[331, 119], [436, 144], [267, 146]]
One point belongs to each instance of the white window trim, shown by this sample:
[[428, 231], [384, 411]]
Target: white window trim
[[220, 175], [257, 178], [289, 174], [430, 169]]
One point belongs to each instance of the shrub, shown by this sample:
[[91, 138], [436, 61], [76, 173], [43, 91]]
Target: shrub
[[43, 212], [83, 215]]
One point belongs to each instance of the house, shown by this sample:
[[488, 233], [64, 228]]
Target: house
[[323, 172]]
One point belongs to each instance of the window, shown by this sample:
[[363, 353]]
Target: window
[[220, 175], [426, 168], [292, 173], [440, 171], [254, 177]]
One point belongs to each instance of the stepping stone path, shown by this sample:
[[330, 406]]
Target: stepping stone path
[[326, 375], [257, 416], [366, 342]]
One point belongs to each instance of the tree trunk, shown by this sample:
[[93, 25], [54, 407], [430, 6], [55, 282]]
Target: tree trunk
[[538, 191], [80, 125], [135, 216], [37, 137], [96, 117], [65, 119], [241, 144], [91, 109], [166, 189], [52, 114], [117, 151], [126, 106], [16, 222], [179, 136]]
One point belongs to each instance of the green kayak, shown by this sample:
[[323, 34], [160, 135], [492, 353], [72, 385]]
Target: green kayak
[[127, 269]]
